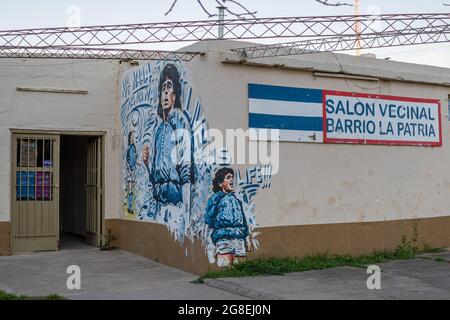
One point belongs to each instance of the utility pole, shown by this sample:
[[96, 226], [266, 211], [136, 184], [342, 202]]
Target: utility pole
[[357, 7], [221, 21]]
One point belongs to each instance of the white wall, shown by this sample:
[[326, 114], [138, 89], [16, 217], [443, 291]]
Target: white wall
[[96, 111]]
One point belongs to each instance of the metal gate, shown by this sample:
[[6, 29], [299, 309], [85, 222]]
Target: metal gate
[[94, 191], [35, 193]]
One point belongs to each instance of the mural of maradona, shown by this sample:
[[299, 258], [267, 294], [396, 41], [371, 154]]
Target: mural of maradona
[[168, 175]]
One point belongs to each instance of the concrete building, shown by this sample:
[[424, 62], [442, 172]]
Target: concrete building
[[115, 152]]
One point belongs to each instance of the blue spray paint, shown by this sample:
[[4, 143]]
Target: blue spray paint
[[167, 179]]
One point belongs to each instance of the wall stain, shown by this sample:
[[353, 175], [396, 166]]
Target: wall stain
[[446, 183], [331, 201]]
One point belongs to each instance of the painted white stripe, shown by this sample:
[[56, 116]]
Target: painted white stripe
[[285, 108], [285, 135]]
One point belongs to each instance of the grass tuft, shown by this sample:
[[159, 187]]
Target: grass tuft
[[439, 259], [10, 296]]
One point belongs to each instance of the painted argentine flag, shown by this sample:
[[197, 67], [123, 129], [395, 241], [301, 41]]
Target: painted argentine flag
[[296, 112]]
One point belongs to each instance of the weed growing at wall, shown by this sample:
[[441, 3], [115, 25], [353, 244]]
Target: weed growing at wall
[[279, 266]]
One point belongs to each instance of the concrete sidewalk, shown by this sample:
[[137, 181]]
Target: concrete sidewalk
[[105, 275], [117, 274], [409, 279]]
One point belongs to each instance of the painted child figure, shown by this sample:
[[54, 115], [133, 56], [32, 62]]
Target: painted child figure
[[131, 170], [225, 215]]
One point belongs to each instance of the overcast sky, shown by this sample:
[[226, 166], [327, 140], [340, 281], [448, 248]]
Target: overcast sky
[[20, 14]]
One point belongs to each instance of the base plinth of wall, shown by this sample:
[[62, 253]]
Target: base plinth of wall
[[5, 238], [154, 241]]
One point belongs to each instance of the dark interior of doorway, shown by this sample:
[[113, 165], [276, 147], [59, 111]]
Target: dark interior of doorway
[[72, 193]]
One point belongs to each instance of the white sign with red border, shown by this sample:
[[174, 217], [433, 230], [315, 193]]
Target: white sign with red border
[[379, 119]]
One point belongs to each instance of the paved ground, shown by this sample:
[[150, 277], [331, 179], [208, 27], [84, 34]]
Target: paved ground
[[112, 274], [117, 274], [412, 279], [104, 275]]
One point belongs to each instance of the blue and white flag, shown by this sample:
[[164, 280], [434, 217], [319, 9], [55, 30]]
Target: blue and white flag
[[296, 112]]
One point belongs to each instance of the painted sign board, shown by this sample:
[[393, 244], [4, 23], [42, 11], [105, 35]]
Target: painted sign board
[[324, 116], [380, 119]]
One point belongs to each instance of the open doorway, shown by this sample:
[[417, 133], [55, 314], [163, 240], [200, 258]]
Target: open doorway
[[56, 191], [80, 205]]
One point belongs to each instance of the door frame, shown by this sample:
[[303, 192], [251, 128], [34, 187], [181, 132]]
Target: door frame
[[96, 239], [59, 133]]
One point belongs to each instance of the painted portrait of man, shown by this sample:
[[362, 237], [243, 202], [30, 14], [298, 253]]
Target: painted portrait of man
[[224, 214], [167, 169], [170, 171]]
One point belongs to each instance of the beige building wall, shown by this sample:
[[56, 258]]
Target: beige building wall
[[335, 198], [335, 183], [343, 198], [98, 110]]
